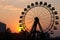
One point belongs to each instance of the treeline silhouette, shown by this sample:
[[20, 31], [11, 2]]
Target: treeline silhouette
[[24, 35], [13, 36]]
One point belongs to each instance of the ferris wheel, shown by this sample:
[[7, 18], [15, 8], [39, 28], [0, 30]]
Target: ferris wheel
[[41, 13]]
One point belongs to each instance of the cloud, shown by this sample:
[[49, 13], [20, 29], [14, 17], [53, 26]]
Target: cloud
[[7, 10], [2, 0], [10, 7], [18, 3]]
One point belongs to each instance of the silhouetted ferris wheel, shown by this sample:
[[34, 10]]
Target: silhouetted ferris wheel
[[39, 14]]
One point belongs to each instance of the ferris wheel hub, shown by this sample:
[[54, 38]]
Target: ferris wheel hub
[[36, 19]]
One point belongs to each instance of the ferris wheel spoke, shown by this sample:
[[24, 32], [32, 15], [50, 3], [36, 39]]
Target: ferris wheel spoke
[[31, 14], [28, 27], [37, 12], [46, 20], [45, 17], [34, 12], [45, 13], [28, 17], [40, 14], [29, 21]]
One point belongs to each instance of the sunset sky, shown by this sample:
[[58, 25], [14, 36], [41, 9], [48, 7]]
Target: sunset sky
[[10, 11]]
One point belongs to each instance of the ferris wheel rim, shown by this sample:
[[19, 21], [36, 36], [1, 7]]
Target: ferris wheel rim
[[44, 6]]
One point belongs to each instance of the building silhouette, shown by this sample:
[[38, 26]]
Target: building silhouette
[[2, 27]]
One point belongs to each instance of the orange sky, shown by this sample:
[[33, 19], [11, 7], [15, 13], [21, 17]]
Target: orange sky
[[9, 14], [10, 11]]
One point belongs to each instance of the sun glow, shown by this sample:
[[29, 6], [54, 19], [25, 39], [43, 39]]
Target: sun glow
[[20, 28]]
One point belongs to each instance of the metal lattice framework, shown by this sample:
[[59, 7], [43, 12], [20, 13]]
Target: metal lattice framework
[[36, 9]]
